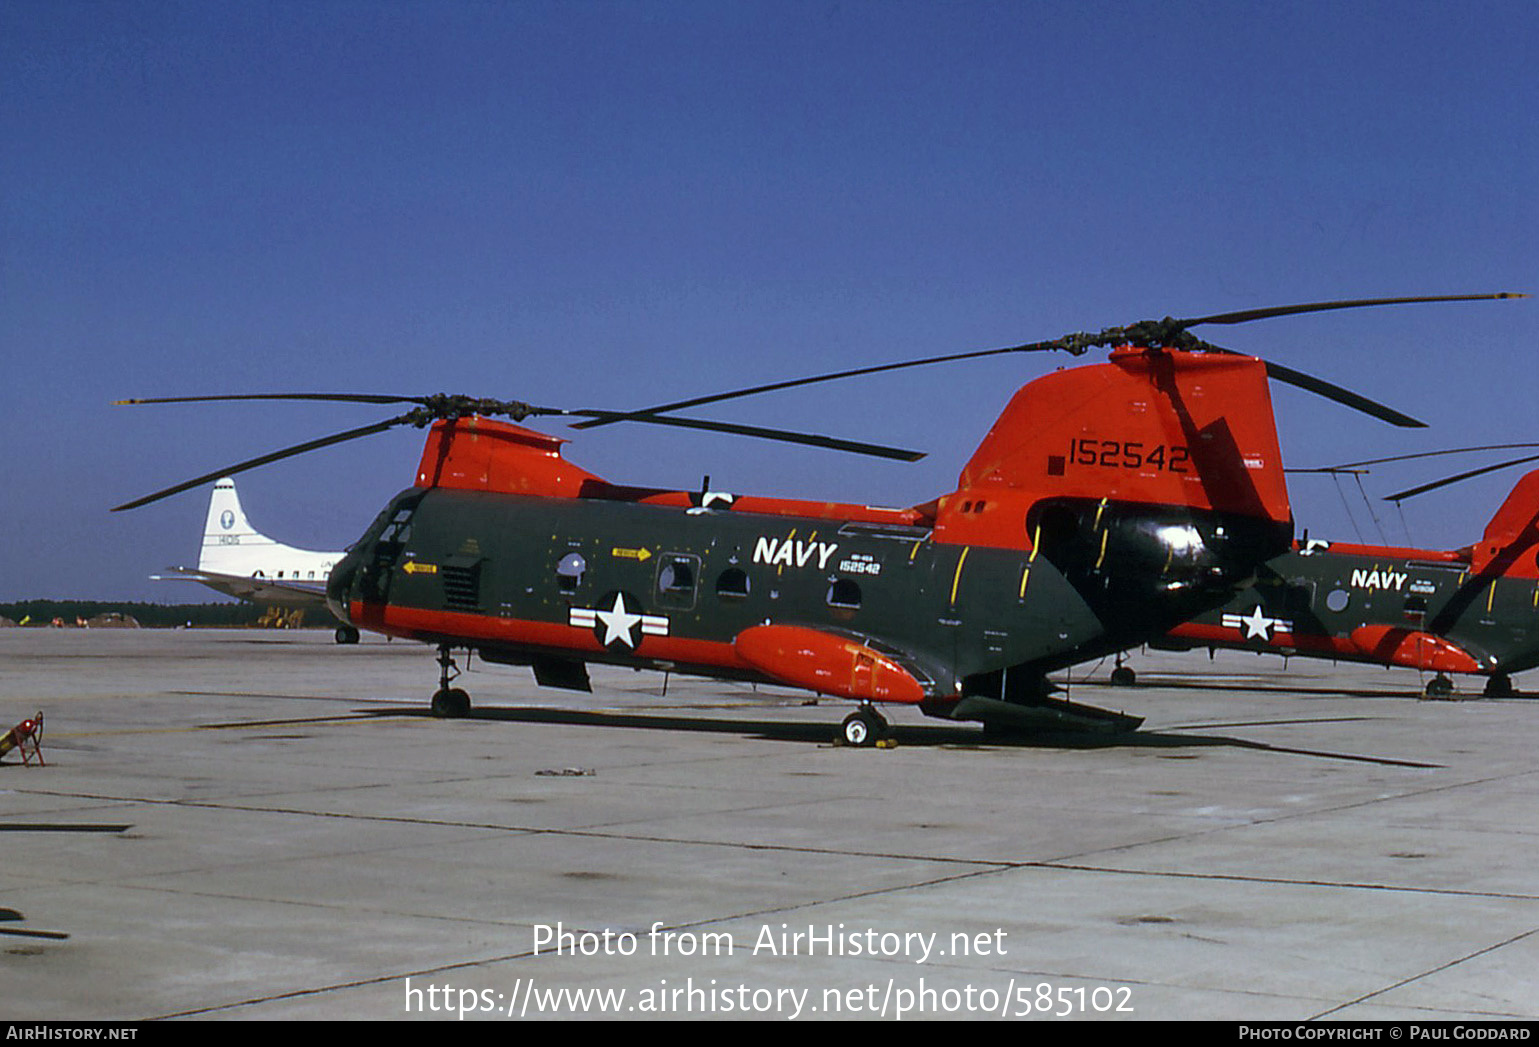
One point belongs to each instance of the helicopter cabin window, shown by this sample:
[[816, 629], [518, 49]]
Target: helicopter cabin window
[[732, 583], [569, 572], [677, 576], [844, 593]]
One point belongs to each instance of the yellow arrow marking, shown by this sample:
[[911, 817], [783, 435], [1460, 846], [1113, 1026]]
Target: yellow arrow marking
[[642, 554], [413, 567]]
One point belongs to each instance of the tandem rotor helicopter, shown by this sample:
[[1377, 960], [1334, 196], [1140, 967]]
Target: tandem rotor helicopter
[[1473, 610], [1108, 503]]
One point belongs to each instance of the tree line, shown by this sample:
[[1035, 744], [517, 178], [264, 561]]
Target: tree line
[[149, 615]]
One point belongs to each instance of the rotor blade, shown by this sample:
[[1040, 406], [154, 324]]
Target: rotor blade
[[1434, 485], [1429, 454], [1320, 387], [783, 435], [356, 398], [647, 412], [1246, 315], [287, 452]]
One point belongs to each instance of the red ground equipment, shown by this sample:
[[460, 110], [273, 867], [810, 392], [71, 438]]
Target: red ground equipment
[[26, 736]]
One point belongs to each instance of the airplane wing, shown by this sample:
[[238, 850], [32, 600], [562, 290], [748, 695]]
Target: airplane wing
[[255, 589]]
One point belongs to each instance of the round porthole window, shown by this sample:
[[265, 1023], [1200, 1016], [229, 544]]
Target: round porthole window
[[569, 572], [1337, 600]]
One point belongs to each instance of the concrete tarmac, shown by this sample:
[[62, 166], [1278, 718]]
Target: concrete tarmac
[[249, 824]]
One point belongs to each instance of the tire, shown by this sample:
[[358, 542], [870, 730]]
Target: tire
[[451, 703], [1499, 686], [863, 729], [1439, 687]]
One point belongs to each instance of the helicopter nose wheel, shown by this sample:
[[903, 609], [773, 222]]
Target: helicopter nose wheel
[[346, 634], [449, 702], [864, 727]]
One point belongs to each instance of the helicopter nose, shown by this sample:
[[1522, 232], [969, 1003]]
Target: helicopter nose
[[339, 587]]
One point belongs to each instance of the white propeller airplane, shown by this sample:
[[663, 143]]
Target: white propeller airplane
[[240, 561]]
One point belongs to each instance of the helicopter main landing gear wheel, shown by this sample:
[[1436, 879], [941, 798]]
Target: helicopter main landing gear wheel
[[1499, 685], [1439, 686], [346, 634], [449, 702], [864, 728]]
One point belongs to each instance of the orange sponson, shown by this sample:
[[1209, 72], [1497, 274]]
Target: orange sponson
[[1413, 648], [826, 663]]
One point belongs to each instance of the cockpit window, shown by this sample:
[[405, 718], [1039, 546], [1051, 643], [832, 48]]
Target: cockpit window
[[398, 530]]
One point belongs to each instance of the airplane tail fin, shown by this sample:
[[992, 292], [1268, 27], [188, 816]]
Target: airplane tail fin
[[229, 540], [231, 545], [238, 560]]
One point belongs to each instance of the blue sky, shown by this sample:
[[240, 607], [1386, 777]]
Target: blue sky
[[612, 204]]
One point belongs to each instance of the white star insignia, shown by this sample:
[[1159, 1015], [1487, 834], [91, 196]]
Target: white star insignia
[[618, 623], [1257, 624]]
